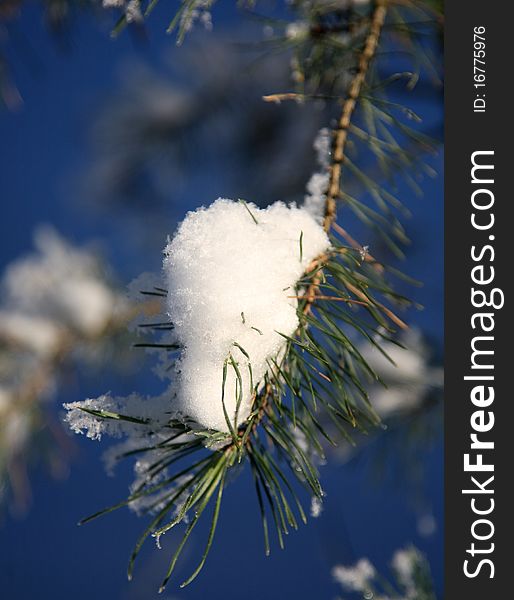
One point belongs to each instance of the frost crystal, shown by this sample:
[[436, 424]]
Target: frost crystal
[[231, 272], [139, 409]]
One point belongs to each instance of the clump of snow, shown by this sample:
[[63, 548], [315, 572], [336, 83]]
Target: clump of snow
[[297, 30], [230, 271], [405, 563], [316, 507], [356, 578], [133, 12], [132, 9], [315, 198], [62, 283], [317, 186], [322, 145], [198, 10]]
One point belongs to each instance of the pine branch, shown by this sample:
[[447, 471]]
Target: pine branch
[[320, 370], [341, 133]]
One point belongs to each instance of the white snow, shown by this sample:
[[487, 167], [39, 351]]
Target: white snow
[[61, 283], [356, 578], [315, 198], [155, 411], [133, 12], [297, 30], [198, 10], [404, 563], [316, 507], [37, 334], [230, 272], [362, 576], [317, 186], [322, 146]]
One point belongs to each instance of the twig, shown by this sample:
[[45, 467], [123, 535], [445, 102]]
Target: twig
[[341, 132], [394, 318], [278, 98]]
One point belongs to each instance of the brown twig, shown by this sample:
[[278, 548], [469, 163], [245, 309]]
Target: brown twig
[[278, 98], [389, 313], [341, 132]]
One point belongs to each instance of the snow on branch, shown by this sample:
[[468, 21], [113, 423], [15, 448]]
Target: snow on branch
[[231, 272], [412, 578], [264, 312]]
